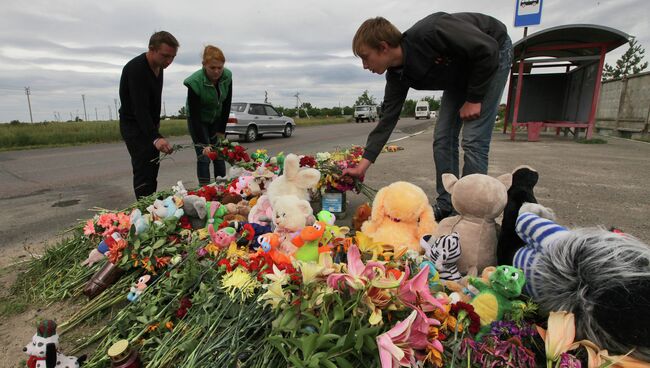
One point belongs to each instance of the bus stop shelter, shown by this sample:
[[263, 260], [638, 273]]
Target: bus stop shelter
[[564, 90]]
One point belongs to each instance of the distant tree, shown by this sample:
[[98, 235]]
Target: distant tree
[[14, 122], [434, 105], [628, 64], [182, 113], [409, 108], [365, 99]]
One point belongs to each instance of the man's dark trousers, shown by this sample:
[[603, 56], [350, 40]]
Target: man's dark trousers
[[144, 160]]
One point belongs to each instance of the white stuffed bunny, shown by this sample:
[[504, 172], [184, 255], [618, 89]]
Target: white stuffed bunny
[[294, 180]]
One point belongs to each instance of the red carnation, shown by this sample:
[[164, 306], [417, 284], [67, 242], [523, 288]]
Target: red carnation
[[212, 155]]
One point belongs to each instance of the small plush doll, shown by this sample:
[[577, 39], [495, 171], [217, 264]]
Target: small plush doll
[[524, 179], [290, 215], [479, 199], [138, 288], [443, 252], [494, 301], [96, 254], [601, 276], [361, 215], [307, 242], [401, 215], [195, 210], [262, 212], [269, 243], [43, 350], [168, 207], [141, 223], [222, 237], [215, 211]]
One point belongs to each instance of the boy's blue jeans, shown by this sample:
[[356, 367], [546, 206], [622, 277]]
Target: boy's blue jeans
[[476, 133]]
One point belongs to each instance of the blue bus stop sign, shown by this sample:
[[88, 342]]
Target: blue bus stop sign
[[528, 13]]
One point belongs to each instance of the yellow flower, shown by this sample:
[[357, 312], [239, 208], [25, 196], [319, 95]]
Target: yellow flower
[[240, 281], [433, 356], [560, 334], [367, 245], [203, 233], [274, 294], [233, 251], [309, 271]]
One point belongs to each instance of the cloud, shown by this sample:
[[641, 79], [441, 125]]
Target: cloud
[[67, 48]]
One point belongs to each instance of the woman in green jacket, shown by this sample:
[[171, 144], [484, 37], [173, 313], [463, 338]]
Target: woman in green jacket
[[209, 94]]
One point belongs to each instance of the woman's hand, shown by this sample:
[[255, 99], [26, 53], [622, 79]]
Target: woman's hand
[[470, 111], [207, 150]]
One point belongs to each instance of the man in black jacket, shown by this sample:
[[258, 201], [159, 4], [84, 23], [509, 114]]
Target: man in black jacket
[[468, 56], [140, 97]]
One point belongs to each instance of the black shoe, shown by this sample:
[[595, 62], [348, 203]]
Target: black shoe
[[440, 213]]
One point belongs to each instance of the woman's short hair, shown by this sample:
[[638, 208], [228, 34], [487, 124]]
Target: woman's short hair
[[373, 31], [161, 37], [213, 53]]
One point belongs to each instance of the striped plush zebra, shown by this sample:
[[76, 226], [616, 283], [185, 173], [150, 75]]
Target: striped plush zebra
[[443, 252]]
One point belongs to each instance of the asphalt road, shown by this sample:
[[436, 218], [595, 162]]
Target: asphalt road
[[45, 191]]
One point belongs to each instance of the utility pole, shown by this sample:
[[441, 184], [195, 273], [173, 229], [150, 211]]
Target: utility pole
[[71, 119], [83, 98], [110, 113], [117, 114], [297, 104], [266, 97], [164, 109], [29, 104], [96, 117]]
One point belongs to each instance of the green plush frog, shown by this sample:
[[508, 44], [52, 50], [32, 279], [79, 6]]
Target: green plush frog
[[494, 301]]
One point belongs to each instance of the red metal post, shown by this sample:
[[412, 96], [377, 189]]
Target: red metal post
[[515, 114], [596, 97]]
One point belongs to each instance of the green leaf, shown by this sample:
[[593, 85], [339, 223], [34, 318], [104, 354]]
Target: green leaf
[[328, 364], [308, 344], [343, 363], [142, 319], [277, 342], [159, 243], [171, 250], [339, 313], [136, 244], [189, 345], [296, 362]]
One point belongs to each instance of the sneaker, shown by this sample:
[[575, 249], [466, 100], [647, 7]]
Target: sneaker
[[440, 213]]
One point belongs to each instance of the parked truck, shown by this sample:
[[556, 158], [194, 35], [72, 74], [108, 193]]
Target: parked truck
[[422, 110]]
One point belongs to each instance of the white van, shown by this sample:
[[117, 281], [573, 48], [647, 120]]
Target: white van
[[422, 110], [365, 112]]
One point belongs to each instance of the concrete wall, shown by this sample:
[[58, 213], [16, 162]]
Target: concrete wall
[[624, 107]]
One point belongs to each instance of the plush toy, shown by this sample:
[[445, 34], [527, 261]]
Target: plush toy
[[262, 212], [479, 199], [231, 198], [164, 209], [294, 181], [239, 208], [601, 276], [307, 242], [138, 288], [223, 237], [96, 254], [461, 290], [361, 215], [179, 189], [401, 215], [215, 213], [269, 243], [443, 252], [194, 208], [494, 301], [524, 179], [290, 215], [43, 350]]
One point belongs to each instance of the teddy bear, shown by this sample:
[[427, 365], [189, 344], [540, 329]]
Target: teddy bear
[[294, 180], [43, 350], [401, 215], [262, 212], [290, 215], [479, 199], [602, 277], [524, 179], [194, 208]]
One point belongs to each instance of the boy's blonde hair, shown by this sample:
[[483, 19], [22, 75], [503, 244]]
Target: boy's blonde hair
[[213, 53], [373, 31]]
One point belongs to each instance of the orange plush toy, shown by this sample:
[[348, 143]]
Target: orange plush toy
[[401, 215], [307, 242]]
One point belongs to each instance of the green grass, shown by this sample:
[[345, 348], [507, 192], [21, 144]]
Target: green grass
[[41, 135]]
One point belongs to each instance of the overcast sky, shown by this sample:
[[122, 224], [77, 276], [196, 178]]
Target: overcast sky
[[62, 49]]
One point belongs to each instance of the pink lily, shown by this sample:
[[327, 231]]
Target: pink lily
[[89, 229], [415, 292], [396, 346], [358, 274]]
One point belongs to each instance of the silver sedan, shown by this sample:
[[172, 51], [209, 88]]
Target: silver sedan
[[252, 120]]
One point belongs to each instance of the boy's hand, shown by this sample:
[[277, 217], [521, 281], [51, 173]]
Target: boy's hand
[[470, 111]]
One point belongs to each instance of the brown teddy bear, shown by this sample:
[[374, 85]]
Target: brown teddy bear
[[479, 199], [401, 215]]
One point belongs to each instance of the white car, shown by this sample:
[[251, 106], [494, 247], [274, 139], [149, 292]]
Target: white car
[[251, 120], [365, 112]]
